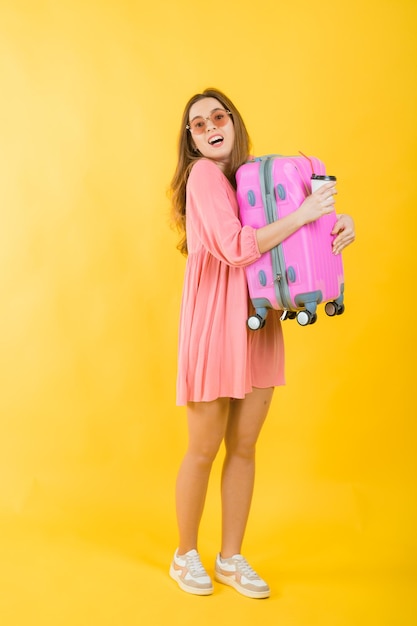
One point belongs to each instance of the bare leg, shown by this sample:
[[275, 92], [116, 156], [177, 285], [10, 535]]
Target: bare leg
[[246, 419], [206, 428]]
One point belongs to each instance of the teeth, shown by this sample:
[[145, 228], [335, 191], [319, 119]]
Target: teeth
[[215, 139]]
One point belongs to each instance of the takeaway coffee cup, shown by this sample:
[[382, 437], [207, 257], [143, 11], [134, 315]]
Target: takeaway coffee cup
[[317, 181]]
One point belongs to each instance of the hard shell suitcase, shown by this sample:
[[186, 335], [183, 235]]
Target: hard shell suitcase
[[302, 271]]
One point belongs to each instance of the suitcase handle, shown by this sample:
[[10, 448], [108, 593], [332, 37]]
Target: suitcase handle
[[266, 157], [307, 187], [309, 160]]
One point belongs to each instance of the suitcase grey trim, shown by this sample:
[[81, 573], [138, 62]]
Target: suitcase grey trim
[[278, 262], [260, 303]]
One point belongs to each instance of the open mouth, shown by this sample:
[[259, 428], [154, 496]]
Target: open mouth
[[216, 140]]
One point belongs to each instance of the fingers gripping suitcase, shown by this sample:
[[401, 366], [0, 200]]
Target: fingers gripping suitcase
[[301, 272]]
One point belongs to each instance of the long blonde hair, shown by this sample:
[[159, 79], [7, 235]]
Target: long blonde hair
[[187, 156]]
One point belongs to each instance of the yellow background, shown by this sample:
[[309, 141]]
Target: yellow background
[[91, 97]]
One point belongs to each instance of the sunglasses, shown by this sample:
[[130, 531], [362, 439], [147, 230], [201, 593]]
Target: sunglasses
[[218, 117]]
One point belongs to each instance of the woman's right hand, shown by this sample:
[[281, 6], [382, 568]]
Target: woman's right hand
[[314, 206], [318, 203]]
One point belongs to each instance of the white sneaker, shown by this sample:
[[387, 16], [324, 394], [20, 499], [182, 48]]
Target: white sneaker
[[189, 573], [237, 573]]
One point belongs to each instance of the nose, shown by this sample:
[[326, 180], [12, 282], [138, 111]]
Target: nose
[[209, 123]]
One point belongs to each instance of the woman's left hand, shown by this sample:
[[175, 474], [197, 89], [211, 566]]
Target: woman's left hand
[[344, 229]]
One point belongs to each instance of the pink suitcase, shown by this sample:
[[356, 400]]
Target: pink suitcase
[[302, 271]]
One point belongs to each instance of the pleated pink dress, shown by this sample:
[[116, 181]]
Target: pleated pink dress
[[218, 355]]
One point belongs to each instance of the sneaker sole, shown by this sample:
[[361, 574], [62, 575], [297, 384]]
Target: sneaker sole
[[228, 580], [194, 590]]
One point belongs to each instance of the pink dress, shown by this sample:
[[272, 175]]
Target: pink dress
[[218, 355]]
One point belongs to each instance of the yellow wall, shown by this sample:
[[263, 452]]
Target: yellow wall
[[90, 439]]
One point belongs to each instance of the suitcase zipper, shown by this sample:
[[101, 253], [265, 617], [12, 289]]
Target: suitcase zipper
[[278, 261]]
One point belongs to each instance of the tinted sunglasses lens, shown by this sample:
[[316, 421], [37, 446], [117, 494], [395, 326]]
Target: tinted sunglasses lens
[[198, 126], [219, 118]]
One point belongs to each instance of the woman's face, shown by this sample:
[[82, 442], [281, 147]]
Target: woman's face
[[218, 132]]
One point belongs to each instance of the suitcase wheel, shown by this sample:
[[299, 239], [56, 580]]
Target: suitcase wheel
[[333, 308], [255, 322], [305, 317], [288, 315]]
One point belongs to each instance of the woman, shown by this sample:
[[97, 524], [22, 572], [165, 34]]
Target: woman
[[226, 374]]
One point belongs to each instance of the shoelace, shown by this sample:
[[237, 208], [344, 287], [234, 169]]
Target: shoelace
[[245, 568], [195, 566]]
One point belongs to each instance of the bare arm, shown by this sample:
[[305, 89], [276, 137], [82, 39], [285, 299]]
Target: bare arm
[[314, 206]]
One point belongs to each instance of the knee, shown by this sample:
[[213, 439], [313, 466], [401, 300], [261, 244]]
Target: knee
[[244, 450], [204, 454]]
